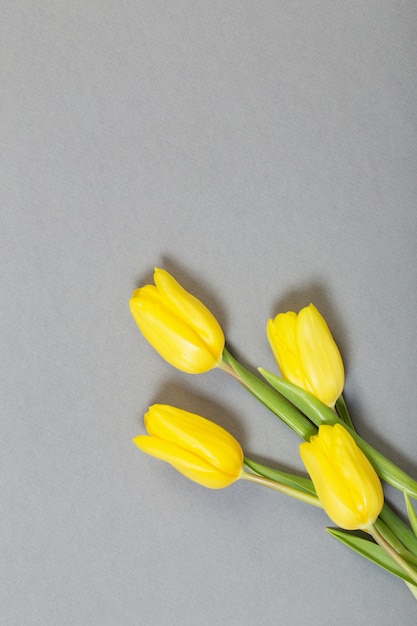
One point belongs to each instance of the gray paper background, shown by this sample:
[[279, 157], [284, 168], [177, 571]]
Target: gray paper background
[[265, 154]]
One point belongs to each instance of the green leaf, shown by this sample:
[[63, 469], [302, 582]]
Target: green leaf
[[370, 550], [275, 402], [393, 540], [402, 531], [412, 588], [291, 480], [342, 411], [411, 514], [320, 414]]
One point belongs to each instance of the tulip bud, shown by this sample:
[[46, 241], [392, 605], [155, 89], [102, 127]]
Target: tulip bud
[[193, 445], [177, 325], [306, 353], [345, 481]]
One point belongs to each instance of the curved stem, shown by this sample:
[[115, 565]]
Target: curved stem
[[288, 491], [406, 567]]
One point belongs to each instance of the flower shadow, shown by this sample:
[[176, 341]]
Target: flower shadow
[[183, 397]]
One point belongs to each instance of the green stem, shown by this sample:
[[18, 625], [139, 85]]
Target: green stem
[[406, 567], [285, 489], [292, 480], [269, 397]]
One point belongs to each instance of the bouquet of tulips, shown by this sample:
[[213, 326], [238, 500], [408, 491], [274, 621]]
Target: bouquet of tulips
[[345, 471]]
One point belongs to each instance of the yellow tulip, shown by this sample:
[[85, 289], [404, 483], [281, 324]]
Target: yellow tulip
[[307, 354], [195, 446], [177, 325], [345, 481]]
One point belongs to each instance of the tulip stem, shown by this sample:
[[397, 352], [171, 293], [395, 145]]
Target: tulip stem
[[406, 567], [225, 367], [285, 489]]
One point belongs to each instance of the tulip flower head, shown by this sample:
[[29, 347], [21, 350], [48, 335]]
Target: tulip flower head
[[177, 325], [307, 354], [345, 481], [193, 445]]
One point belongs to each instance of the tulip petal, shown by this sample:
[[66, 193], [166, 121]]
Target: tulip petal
[[174, 339], [336, 502], [319, 355], [189, 308], [306, 353], [187, 463], [281, 333], [180, 328], [345, 481], [193, 432]]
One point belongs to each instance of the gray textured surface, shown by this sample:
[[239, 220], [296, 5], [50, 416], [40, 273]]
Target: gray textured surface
[[265, 153]]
